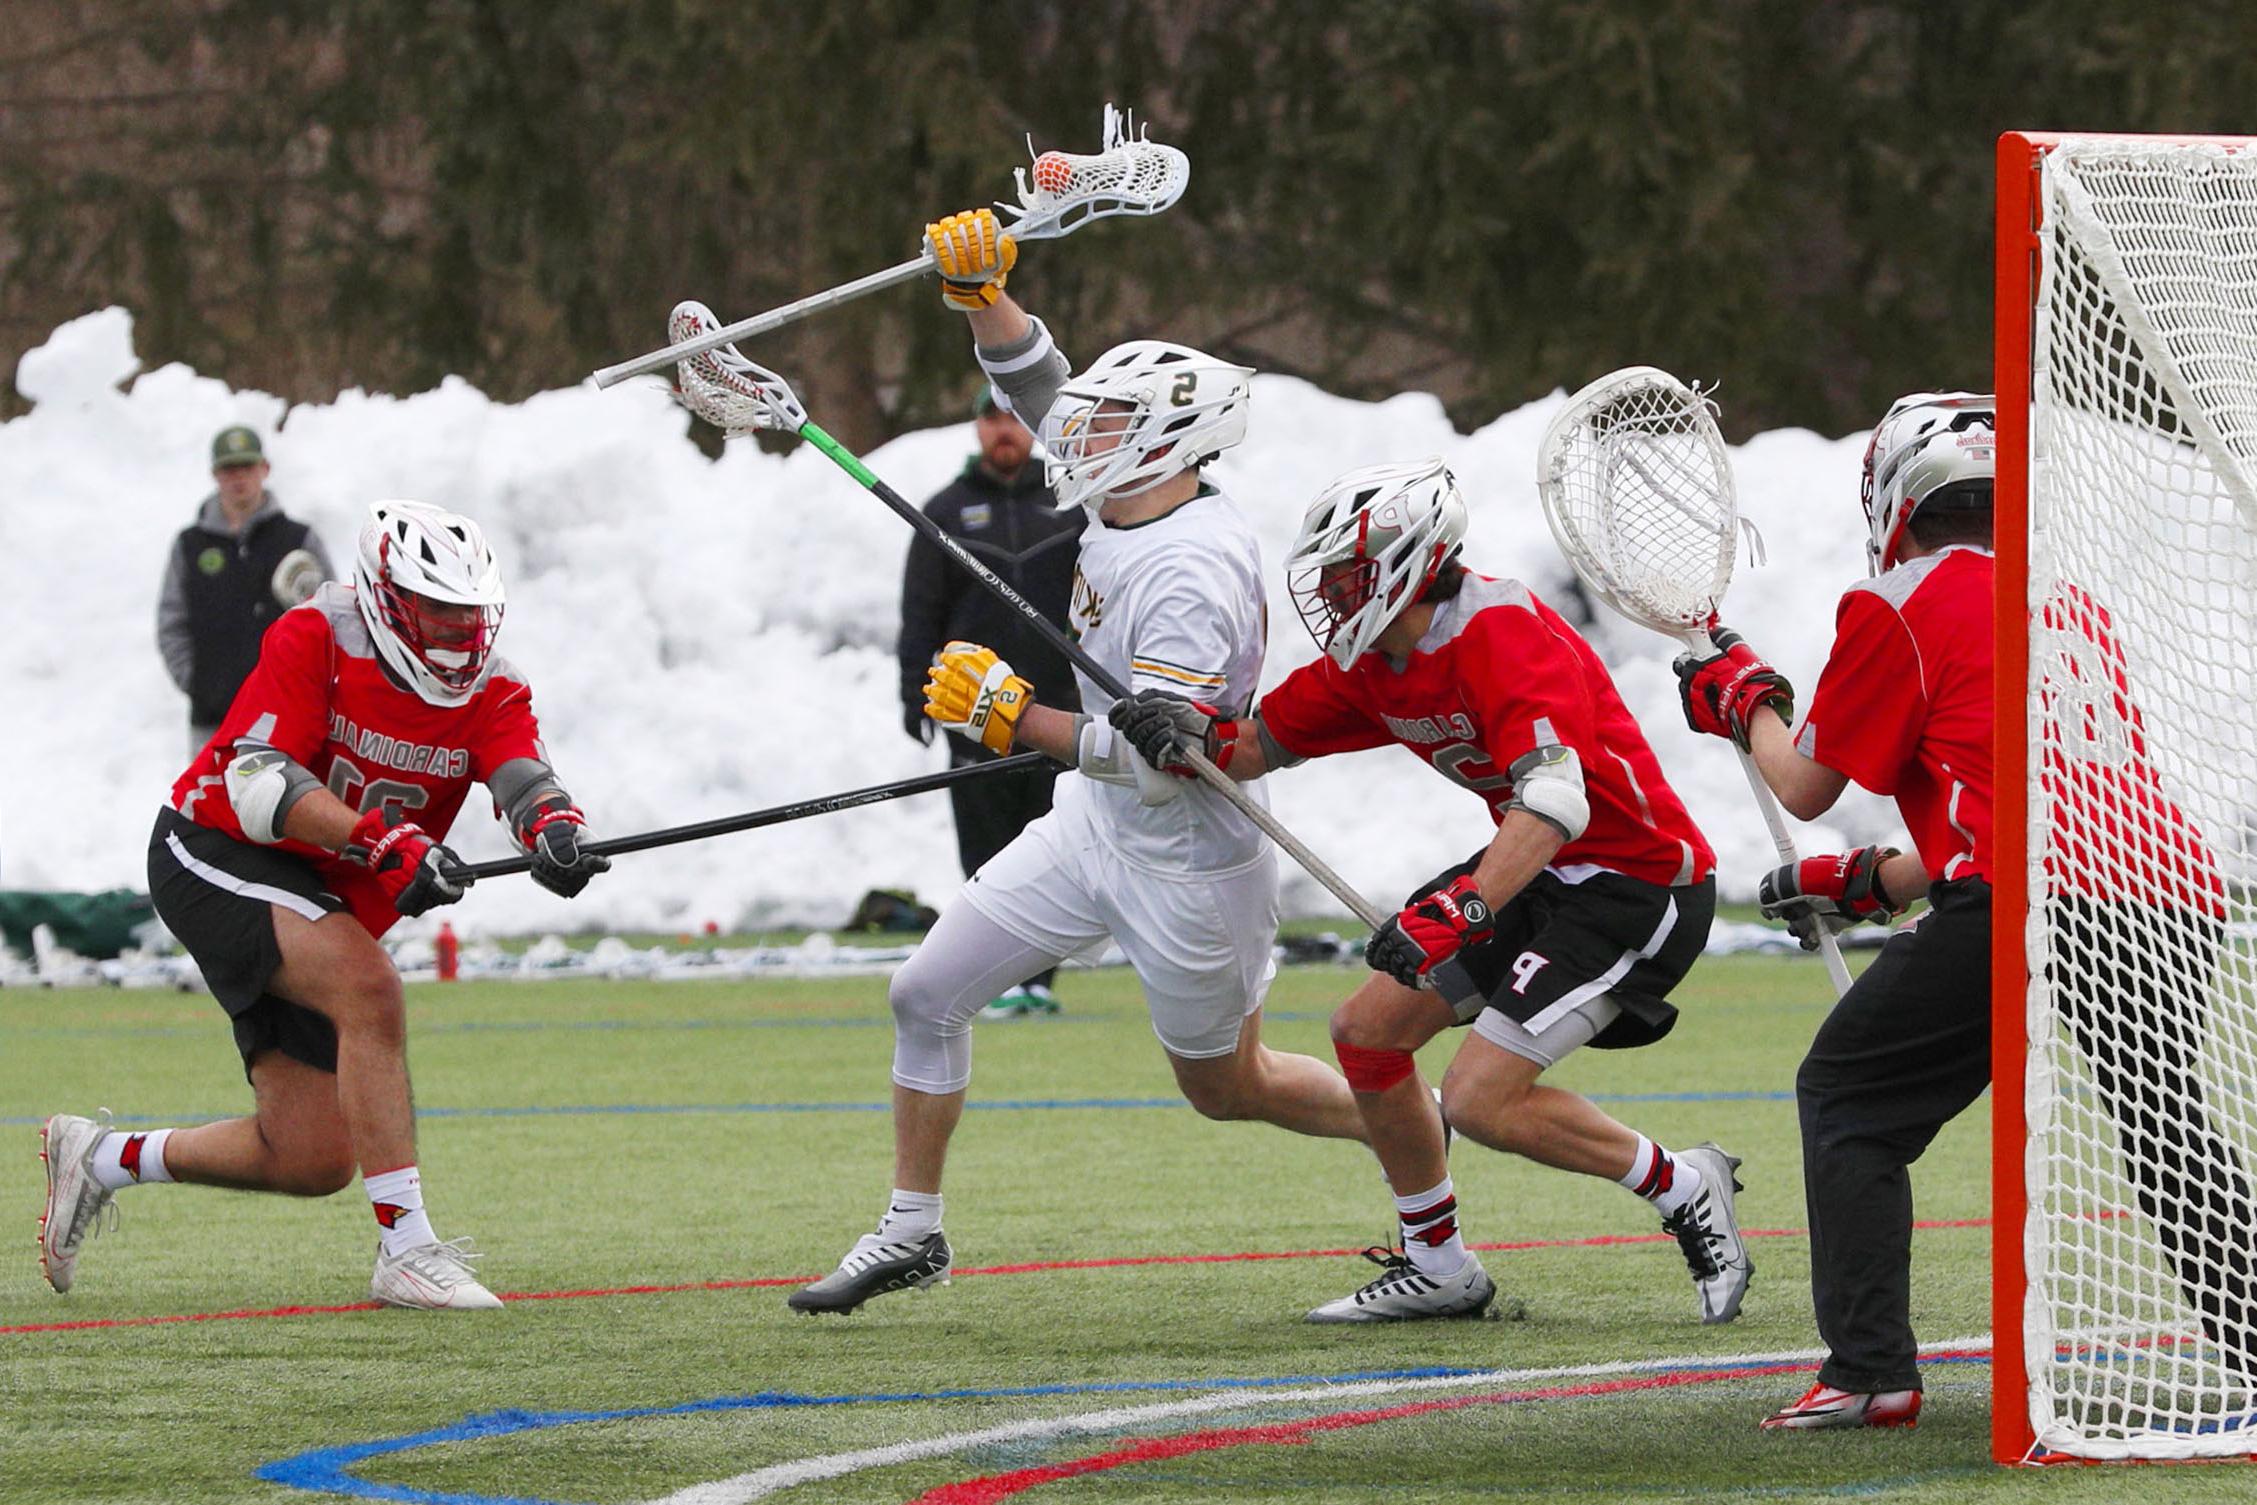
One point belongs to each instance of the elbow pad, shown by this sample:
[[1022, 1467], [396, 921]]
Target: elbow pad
[[1109, 759], [1548, 784], [262, 785], [520, 787]]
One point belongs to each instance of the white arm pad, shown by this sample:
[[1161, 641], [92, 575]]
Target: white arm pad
[[1548, 784], [262, 785], [1110, 759]]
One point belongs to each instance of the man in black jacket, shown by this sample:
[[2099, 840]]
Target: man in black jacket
[[1003, 513], [241, 564]]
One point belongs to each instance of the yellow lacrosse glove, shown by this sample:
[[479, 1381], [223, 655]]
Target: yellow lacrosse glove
[[974, 694], [974, 256]]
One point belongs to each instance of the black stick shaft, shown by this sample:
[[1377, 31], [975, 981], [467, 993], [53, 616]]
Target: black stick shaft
[[777, 815]]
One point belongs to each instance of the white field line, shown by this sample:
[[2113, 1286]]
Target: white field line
[[763, 1482]]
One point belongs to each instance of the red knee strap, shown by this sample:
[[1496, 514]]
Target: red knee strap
[[1370, 1070]]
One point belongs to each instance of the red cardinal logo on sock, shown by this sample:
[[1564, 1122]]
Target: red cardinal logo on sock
[[129, 1155], [1660, 1178], [388, 1214], [1433, 1227]]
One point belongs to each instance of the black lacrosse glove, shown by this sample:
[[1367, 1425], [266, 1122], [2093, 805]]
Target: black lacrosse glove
[[1161, 726], [556, 837]]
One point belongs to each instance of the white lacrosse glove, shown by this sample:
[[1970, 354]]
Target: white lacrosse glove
[[974, 256]]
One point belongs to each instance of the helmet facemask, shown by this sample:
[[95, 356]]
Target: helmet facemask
[[1369, 548], [431, 595]]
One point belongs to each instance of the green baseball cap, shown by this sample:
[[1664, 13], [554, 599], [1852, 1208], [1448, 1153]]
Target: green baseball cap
[[236, 445], [985, 403]]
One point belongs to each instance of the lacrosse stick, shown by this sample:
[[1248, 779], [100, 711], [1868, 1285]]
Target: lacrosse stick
[[753, 820], [719, 385], [1132, 175], [1638, 490]]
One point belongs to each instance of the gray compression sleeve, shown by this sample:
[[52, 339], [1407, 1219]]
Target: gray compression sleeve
[[1028, 372], [519, 786]]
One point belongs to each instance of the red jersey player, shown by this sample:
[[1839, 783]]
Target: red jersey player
[[1904, 707], [1570, 926], [303, 829]]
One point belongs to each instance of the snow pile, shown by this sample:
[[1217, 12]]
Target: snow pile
[[705, 637]]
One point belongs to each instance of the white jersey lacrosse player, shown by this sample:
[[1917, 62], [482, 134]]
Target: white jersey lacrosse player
[[1169, 593]]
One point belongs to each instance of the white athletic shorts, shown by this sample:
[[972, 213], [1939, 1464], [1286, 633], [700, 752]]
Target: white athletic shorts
[[1201, 945]]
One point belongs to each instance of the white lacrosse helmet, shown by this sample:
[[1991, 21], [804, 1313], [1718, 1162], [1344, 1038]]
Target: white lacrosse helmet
[[1929, 444], [1369, 546], [413, 552], [1171, 406]]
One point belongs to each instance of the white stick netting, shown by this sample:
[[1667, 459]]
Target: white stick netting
[[725, 389], [2141, 1238], [1133, 174], [1638, 490]]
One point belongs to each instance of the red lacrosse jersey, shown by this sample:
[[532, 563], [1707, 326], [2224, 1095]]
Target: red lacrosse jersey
[[322, 697], [1903, 705], [1500, 674], [2114, 833]]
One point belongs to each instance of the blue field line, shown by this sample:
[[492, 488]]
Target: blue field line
[[993, 1105], [323, 1470]]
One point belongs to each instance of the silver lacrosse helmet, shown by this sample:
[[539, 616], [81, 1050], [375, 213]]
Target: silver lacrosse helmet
[[1936, 448], [1369, 546]]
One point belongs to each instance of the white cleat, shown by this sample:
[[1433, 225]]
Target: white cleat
[[431, 1278], [1708, 1230], [875, 1266], [1404, 1293], [75, 1200]]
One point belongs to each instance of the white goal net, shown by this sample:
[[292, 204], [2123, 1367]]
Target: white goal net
[[2140, 1241]]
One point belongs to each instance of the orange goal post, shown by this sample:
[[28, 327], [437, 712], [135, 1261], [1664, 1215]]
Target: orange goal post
[[2125, 867]]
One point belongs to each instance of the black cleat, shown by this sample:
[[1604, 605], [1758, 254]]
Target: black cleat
[[873, 1267]]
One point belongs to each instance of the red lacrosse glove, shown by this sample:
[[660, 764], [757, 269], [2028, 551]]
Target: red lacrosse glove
[[1721, 693], [1429, 931], [415, 872], [1834, 892]]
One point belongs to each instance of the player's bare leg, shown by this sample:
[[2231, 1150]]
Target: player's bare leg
[[1402, 1121], [1493, 1096], [1294, 1092], [294, 1143], [334, 967], [923, 1123], [1435, 1275]]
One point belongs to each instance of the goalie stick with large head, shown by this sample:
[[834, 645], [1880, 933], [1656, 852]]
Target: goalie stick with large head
[[737, 396], [1132, 174], [1638, 491]]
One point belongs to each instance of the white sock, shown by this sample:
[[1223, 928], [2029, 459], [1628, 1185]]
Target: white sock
[[910, 1215], [124, 1159], [397, 1197], [1430, 1231], [1661, 1178]]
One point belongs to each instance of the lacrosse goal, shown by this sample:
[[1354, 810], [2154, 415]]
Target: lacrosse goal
[[2125, 954]]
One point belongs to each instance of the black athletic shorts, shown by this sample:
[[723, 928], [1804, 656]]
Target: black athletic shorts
[[1560, 943], [214, 894]]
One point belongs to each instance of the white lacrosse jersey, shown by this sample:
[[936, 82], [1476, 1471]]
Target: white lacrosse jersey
[[1172, 604]]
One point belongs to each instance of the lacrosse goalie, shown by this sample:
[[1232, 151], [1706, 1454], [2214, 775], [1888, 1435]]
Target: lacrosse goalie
[[1168, 593], [304, 829], [1568, 928]]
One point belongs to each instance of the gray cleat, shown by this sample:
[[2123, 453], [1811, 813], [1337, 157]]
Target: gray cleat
[[1708, 1230]]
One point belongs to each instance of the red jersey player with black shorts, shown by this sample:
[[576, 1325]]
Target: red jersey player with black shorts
[[1903, 707], [1570, 927], [307, 825]]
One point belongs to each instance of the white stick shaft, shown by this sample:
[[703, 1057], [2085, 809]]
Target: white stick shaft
[[775, 318], [1269, 825], [1836, 968]]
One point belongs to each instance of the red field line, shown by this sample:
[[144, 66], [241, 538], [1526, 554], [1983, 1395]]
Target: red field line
[[1126, 1261]]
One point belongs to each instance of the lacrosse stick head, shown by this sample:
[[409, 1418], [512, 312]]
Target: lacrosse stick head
[[1638, 491], [1133, 174], [725, 389]]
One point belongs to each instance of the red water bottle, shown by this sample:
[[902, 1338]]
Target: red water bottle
[[450, 952]]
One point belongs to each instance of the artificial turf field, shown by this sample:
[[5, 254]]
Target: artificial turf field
[[719, 1141]]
